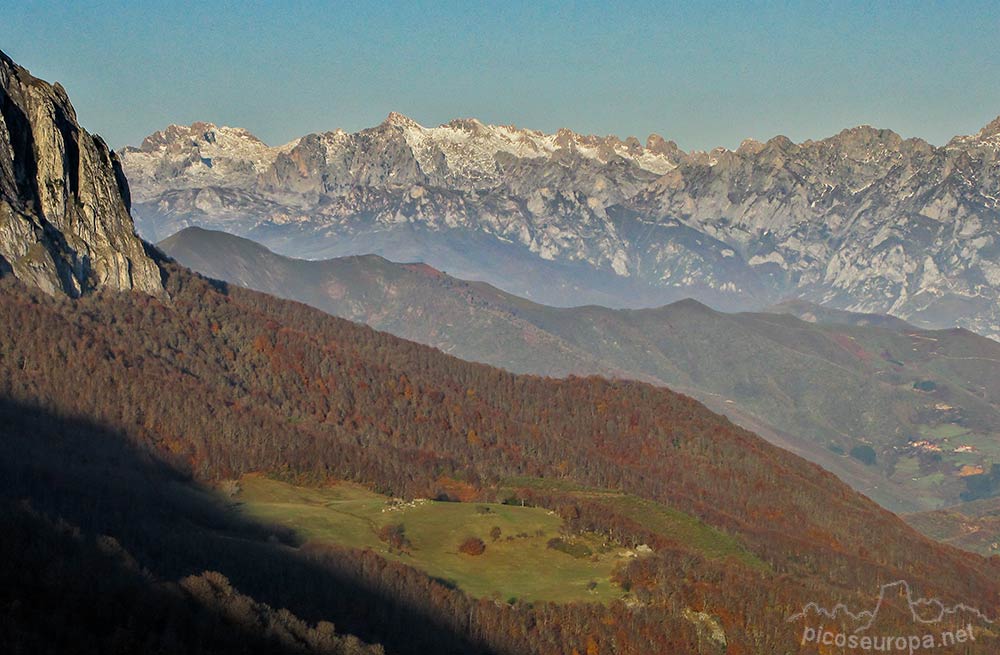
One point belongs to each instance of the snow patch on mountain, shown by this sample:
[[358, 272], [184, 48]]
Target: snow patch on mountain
[[864, 219]]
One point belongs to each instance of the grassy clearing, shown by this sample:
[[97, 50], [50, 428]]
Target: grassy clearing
[[667, 521], [943, 431], [519, 564], [686, 529]]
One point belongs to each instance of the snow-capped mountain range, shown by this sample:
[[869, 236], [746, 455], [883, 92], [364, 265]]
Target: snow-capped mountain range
[[864, 220]]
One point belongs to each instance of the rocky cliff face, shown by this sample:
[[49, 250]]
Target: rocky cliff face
[[864, 221], [64, 202]]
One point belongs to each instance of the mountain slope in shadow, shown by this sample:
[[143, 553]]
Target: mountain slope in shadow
[[103, 536]]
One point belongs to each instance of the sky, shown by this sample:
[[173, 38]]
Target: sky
[[703, 74]]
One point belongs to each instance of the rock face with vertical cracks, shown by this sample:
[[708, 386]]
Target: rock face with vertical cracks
[[64, 202]]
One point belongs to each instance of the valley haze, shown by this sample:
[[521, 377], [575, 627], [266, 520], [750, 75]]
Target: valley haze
[[864, 221]]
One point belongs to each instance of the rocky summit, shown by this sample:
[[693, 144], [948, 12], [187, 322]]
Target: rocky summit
[[64, 202], [865, 221]]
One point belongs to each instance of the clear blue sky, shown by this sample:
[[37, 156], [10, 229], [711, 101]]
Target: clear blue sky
[[703, 74]]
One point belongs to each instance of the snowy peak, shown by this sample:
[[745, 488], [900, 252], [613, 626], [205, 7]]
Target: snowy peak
[[470, 125], [987, 138], [200, 154], [468, 145], [991, 129], [863, 220], [464, 152], [395, 119], [198, 134]]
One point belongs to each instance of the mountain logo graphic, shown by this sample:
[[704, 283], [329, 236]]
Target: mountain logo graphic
[[894, 597]]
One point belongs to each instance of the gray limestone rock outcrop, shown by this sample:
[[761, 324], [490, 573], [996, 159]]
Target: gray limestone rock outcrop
[[64, 202]]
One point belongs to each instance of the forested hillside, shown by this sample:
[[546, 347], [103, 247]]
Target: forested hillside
[[218, 381], [923, 405]]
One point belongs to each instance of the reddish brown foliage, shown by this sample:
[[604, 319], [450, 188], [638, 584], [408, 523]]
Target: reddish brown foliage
[[281, 387], [472, 546]]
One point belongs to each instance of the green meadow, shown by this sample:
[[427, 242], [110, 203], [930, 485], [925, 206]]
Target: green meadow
[[519, 564], [686, 530]]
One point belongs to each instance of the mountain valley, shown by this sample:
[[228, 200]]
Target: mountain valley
[[819, 382], [352, 456]]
